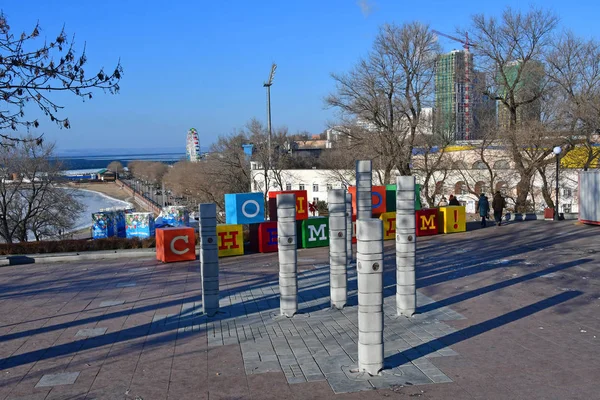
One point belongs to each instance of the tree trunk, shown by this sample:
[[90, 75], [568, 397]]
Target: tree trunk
[[546, 189], [387, 175], [404, 168], [425, 189], [522, 192]]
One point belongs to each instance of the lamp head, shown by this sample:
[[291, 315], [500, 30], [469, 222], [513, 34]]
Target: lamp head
[[557, 150]]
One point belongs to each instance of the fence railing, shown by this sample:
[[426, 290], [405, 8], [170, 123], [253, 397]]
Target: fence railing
[[140, 198]]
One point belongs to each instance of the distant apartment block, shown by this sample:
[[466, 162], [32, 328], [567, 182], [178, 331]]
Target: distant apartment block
[[526, 83]]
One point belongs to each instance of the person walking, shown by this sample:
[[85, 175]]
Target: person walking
[[498, 205], [443, 202], [484, 209], [453, 201]]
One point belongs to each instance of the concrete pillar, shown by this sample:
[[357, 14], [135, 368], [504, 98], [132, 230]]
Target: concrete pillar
[[349, 228], [287, 252], [406, 239], [209, 257], [369, 264], [338, 263], [364, 181]]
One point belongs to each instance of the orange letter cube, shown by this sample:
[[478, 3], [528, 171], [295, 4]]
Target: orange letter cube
[[175, 244], [378, 199], [301, 204]]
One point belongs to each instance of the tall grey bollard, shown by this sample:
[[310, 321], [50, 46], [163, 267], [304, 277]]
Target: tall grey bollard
[[406, 238], [364, 186], [349, 228], [209, 257], [288, 258], [369, 264], [336, 200]]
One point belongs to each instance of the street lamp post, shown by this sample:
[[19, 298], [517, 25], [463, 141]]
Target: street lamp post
[[557, 150], [268, 84]]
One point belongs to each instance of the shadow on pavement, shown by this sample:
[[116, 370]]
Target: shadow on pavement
[[477, 329]]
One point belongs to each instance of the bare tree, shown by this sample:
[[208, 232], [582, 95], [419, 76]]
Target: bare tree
[[31, 72], [381, 100], [151, 172], [234, 164], [432, 164], [31, 200], [57, 214], [116, 167], [489, 166], [512, 51], [281, 143], [197, 182], [574, 68], [338, 164]]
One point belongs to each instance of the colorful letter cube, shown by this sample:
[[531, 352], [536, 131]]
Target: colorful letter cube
[[175, 244], [230, 240], [266, 236], [418, 205], [389, 225], [378, 199], [390, 198], [426, 221], [314, 232], [301, 204], [244, 208], [452, 219]]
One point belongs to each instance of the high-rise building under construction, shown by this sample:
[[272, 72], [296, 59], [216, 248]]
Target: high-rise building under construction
[[461, 108], [450, 118]]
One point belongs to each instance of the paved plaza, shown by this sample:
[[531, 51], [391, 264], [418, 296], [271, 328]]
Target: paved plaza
[[509, 312]]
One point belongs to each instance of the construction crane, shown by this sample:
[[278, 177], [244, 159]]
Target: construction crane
[[466, 45]]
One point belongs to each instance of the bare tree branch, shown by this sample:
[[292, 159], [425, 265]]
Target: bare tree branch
[[31, 72]]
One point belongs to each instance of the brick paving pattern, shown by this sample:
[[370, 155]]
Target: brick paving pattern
[[503, 313], [320, 343]]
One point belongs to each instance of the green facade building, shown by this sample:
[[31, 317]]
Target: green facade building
[[450, 85]]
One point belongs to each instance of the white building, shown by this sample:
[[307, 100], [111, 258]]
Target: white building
[[466, 180]]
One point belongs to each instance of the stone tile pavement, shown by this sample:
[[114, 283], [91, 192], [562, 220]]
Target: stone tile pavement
[[320, 343], [503, 313]]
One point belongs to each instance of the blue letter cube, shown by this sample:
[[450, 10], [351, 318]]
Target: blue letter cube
[[244, 208]]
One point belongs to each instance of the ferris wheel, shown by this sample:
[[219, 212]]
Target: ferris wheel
[[193, 145]]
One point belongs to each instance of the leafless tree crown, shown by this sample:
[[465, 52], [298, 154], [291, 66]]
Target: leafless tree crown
[[31, 69]]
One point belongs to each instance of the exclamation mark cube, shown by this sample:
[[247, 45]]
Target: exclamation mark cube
[[452, 219]]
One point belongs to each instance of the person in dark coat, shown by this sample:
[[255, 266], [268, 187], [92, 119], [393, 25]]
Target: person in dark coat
[[484, 209], [453, 201], [498, 205]]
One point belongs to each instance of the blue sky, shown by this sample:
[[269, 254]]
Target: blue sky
[[202, 64]]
